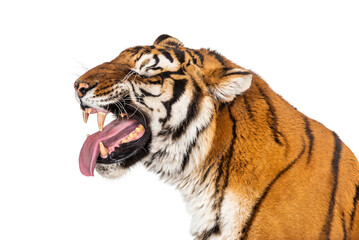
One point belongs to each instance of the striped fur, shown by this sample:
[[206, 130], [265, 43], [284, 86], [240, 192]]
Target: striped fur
[[249, 165]]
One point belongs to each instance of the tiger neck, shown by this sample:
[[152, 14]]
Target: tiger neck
[[200, 165], [176, 150]]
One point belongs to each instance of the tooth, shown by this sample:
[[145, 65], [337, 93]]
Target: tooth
[[122, 115], [123, 140], [88, 110], [85, 116], [87, 135], [132, 136], [103, 150], [101, 120], [140, 128]]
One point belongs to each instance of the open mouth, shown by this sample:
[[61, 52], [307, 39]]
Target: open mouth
[[125, 140]]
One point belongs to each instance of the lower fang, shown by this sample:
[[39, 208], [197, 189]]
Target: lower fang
[[103, 150], [122, 115]]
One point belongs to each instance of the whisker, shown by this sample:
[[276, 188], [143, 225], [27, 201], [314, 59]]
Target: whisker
[[82, 65], [123, 107], [137, 109], [128, 75], [75, 74]]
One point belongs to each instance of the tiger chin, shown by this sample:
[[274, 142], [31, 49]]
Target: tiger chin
[[248, 164]]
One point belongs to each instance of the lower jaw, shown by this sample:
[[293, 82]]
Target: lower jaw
[[127, 154], [114, 170]]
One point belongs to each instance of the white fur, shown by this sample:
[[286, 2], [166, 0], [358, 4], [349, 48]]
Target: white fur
[[232, 86], [234, 213], [163, 62]]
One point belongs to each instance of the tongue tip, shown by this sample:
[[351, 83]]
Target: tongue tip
[[86, 172]]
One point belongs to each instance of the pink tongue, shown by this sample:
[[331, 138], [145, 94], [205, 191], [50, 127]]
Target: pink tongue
[[90, 150]]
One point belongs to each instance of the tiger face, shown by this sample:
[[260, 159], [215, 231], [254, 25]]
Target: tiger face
[[164, 98]]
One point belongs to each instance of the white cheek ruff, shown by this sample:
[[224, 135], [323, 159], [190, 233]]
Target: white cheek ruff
[[172, 151]]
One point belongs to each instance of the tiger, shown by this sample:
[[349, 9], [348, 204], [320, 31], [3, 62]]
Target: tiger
[[248, 164]]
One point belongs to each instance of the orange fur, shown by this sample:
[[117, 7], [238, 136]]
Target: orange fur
[[296, 176]]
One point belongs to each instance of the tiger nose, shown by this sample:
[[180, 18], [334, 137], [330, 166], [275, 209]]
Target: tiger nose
[[81, 88]]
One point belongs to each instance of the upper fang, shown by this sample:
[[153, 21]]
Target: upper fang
[[101, 116], [85, 116]]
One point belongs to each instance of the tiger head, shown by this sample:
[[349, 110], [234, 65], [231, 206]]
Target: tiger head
[[165, 98]]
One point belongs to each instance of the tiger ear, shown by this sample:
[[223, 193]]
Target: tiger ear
[[226, 84], [167, 41]]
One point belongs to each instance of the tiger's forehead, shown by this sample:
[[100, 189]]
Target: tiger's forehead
[[151, 60]]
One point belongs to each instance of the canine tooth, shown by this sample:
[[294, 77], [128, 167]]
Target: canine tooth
[[140, 128], [101, 116], [85, 116], [103, 150], [87, 135], [88, 110], [123, 140], [122, 115]]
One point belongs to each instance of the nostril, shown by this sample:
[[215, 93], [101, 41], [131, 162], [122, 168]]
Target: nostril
[[83, 90]]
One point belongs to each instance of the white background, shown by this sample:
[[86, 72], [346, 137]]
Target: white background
[[307, 51]]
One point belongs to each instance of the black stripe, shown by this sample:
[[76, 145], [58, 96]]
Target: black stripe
[[148, 94], [178, 89], [135, 50], [138, 97], [192, 112], [179, 55], [218, 56], [168, 74], [172, 43], [199, 55], [156, 82], [207, 234], [225, 159], [230, 153], [192, 144], [187, 154], [161, 38], [157, 60], [159, 155], [355, 203], [155, 68], [272, 117], [260, 200], [145, 51], [194, 60], [237, 73], [334, 171], [310, 136], [206, 174], [248, 107], [344, 227], [166, 54]]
